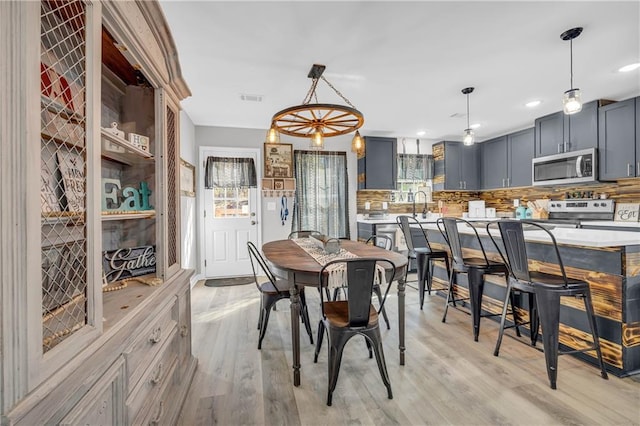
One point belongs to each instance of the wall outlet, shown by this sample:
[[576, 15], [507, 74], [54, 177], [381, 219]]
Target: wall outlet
[[516, 202]]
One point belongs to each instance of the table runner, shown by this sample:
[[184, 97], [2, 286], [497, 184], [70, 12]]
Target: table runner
[[337, 273]]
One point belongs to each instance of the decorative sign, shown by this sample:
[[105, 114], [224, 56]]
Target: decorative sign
[[71, 167], [116, 198], [48, 198], [128, 262], [139, 141], [627, 212]]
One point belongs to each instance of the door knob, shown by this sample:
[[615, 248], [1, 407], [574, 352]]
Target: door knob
[[253, 222]]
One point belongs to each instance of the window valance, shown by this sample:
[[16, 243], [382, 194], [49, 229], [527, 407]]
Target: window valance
[[229, 172]]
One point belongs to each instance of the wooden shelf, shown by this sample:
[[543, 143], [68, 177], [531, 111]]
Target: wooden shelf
[[277, 187], [147, 214], [55, 107], [118, 149]]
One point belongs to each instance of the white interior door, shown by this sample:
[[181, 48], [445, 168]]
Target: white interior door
[[231, 218]]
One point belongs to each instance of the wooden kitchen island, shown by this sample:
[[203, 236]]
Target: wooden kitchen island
[[608, 260]]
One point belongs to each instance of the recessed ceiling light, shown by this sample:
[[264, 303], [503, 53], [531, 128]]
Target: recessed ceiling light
[[533, 104], [630, 67], [475, 126], [421, 133]]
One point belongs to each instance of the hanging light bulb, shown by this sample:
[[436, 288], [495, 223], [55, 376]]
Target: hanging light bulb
[[317, 139], [273, 136], [357, 144], [468, 138], [572, 99]]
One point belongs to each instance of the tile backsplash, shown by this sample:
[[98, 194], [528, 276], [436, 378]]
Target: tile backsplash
[[624, 191]]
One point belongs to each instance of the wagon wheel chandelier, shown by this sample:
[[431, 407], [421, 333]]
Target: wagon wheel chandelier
[[319, 120]]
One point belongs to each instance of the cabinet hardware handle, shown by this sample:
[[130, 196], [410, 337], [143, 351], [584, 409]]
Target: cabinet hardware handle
[[184, 331], [156, 379], [156, 421], [465, 184], [559, 145], [508, 182], [503, 182], [156, 335], [628, 169], [638, 168]]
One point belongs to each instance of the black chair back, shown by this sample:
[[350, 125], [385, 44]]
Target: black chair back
[[257, 259], [360, 274], [302, 234], [452, 237], [382, 241], [406, 223], [512, 233]]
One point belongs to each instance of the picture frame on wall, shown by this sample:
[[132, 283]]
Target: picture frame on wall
[[187, 179], [278, 160], [278, 184]]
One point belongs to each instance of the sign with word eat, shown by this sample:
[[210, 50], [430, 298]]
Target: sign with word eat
[[627, 212], [116, 198]]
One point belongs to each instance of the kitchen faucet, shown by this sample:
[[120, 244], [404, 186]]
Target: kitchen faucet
[[424, 209]]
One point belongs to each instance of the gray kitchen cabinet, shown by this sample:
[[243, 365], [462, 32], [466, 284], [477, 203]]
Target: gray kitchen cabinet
[[377, 169], [618, 148], [493, 167], [506, 160], [457, 167], [558, 132], [520, 146]]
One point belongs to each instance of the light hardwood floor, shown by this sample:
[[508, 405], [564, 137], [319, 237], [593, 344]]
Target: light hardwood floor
[[448, 378]]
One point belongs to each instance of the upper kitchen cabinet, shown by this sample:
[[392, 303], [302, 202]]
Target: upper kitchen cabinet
[[506, 160], [558, 132], [456, 166], [377, 169], [619, 142], [105, 319]]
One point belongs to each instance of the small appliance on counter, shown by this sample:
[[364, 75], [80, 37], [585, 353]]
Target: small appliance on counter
[[476, 209]]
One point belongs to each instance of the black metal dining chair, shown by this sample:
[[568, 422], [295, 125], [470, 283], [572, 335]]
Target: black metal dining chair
[[423, 254], [475, 268], [302, 234], [386, 243], [548, 289], [344, 319], [271, 291]]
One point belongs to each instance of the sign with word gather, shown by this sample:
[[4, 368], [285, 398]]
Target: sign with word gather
[[128, 262]]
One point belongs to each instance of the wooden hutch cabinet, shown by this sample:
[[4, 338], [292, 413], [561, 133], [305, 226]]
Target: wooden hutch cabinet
[[96, 321]]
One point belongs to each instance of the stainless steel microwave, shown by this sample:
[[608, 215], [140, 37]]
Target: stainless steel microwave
[[566, 168]]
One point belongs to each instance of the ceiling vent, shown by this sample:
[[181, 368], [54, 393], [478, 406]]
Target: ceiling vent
[[251, 98]]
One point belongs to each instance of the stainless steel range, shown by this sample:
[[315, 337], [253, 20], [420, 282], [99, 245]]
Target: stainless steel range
[[572, 212]]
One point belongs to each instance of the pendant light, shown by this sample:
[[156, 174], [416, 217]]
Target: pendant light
[[572, 99], [273, 136], [357, 144], [316, 120], [468, 137]]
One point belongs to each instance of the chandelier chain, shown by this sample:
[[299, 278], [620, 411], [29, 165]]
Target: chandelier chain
[[338, 92], [311, 92]]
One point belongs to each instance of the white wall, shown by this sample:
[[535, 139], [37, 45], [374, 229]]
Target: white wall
[[189, 255], [272, 228]]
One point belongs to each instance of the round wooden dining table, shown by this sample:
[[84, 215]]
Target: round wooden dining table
[[287, 260]]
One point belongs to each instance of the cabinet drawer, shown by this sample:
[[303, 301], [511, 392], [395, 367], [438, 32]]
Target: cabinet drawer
[[144, 349], [154, 378], [164, 408]]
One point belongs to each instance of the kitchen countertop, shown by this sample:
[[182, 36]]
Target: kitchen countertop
[[391, 219], [568, 236], [610, 223]]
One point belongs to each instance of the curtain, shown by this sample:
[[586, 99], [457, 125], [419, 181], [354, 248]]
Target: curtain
[[322, 202], [228, 172], [416, 167]]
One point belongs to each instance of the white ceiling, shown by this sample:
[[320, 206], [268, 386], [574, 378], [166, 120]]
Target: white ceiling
[[403, 64]]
